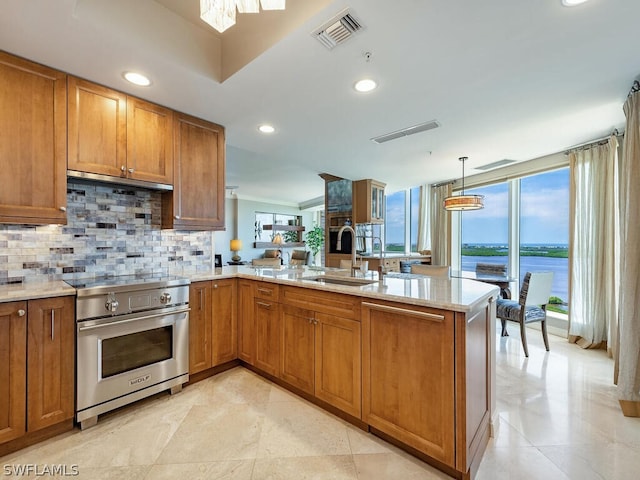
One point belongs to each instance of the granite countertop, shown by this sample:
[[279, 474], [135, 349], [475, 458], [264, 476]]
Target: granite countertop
[[35, 289], [457, 294]]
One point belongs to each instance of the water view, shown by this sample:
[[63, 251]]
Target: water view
[[533, 258]]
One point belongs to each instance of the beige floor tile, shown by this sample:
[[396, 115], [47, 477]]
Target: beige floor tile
[[388, 466], [521, 463], [362, 442], [231, 470], [223, 432], [305, 468], [298, 429]]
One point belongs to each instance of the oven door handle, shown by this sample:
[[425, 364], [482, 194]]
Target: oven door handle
[[129, 320]]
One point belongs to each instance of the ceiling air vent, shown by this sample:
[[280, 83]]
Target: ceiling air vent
[[499, 163], [337, 30], [405, 132]]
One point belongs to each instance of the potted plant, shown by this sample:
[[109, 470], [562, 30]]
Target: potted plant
[[315, 240]]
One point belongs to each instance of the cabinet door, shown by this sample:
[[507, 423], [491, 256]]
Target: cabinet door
[[267, 317], [224, 343], [246, 322], [13, 370], [50, 362], [197, 199], [408, 385], [199, 326], [33, 142], [149, 142], [298, 344], [337, 363], [97, 128]]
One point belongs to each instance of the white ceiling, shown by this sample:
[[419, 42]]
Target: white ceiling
[[515, 79]]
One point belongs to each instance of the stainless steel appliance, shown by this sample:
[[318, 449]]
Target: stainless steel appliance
[[132, 341]]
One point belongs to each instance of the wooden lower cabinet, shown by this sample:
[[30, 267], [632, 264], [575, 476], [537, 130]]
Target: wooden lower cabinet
[[298, 348], [200, 335], [224, 345], [50, 361], [212, 324], [13, 370], [409, 376], [321, 351], [37, 365], [267, 325], [246, 322], [338, 371]]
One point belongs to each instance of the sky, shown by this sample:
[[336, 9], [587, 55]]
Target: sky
[[544, 212]]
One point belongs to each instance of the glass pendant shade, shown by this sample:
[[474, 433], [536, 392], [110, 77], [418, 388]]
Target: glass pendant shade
[[221, 14], [461, 202]]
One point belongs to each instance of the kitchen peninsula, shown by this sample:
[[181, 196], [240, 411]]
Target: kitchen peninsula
[[410, 360]]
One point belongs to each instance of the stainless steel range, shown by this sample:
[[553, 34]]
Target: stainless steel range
[[132, 341]]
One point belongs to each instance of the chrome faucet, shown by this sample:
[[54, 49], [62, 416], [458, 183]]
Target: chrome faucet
[[353, 244]]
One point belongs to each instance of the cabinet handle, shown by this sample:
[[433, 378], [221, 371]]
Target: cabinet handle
[[215, 285], [131, 170], [21, 313], [404, 311], [63, 209], [265, 291], [315, 322], [177, 217], [263, 305], [123, 169], [201, 306], [53, 323]]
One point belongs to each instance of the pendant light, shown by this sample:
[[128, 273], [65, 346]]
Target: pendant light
[[462, 201]]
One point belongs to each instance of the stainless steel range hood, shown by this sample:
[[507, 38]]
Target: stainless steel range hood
[[95, 177]]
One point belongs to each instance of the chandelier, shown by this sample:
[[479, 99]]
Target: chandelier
[[221, 14], [462, 201]]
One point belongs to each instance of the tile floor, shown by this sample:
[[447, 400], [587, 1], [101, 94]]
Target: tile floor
[[558, 419]]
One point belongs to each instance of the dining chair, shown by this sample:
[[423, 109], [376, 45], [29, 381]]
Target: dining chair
[[431, 270], [530, 307]]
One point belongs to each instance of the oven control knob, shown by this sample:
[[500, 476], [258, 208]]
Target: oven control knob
[[165, 298], [111, 305]]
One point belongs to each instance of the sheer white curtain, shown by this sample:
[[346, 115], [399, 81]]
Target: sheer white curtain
[[440, 226], [628, 358], [594, 240], [424, 224]]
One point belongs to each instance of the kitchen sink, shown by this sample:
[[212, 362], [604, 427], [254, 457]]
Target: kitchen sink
[[350, 281]]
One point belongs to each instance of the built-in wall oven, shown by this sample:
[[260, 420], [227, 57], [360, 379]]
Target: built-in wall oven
[[132, 341]]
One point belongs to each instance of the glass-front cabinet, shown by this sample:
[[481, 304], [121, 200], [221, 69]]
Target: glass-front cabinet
[[368, 198]]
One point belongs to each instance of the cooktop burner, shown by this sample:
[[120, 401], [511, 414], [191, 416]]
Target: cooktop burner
[[126, 282]]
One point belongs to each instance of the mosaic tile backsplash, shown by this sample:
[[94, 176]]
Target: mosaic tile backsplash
[[111, 230]]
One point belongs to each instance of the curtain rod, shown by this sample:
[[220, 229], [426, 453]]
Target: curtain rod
[[442, 184], [592, 143]]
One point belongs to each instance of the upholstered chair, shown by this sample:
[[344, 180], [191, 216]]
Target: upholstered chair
[[431, 270], [530, 307]]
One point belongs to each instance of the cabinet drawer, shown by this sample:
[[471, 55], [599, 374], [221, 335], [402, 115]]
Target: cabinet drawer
[[266, 291], [344, 306]]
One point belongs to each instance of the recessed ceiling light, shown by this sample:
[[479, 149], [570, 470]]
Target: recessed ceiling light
[[137, 79], [572, 3], [365, 85], [266, 128]]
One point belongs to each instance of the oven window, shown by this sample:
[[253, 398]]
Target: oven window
[[128, 352]]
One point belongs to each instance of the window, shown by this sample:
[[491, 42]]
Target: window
[[536, 238], [414, 213], [395, 222]]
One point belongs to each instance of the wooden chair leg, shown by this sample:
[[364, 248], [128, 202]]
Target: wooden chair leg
[[544, 334], [504, 332], [523, 335]]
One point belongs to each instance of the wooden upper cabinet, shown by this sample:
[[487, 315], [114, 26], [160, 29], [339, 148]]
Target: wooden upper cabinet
[[149, 142], [368, 201], [97, 128], [33, 142], [197, 199]]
